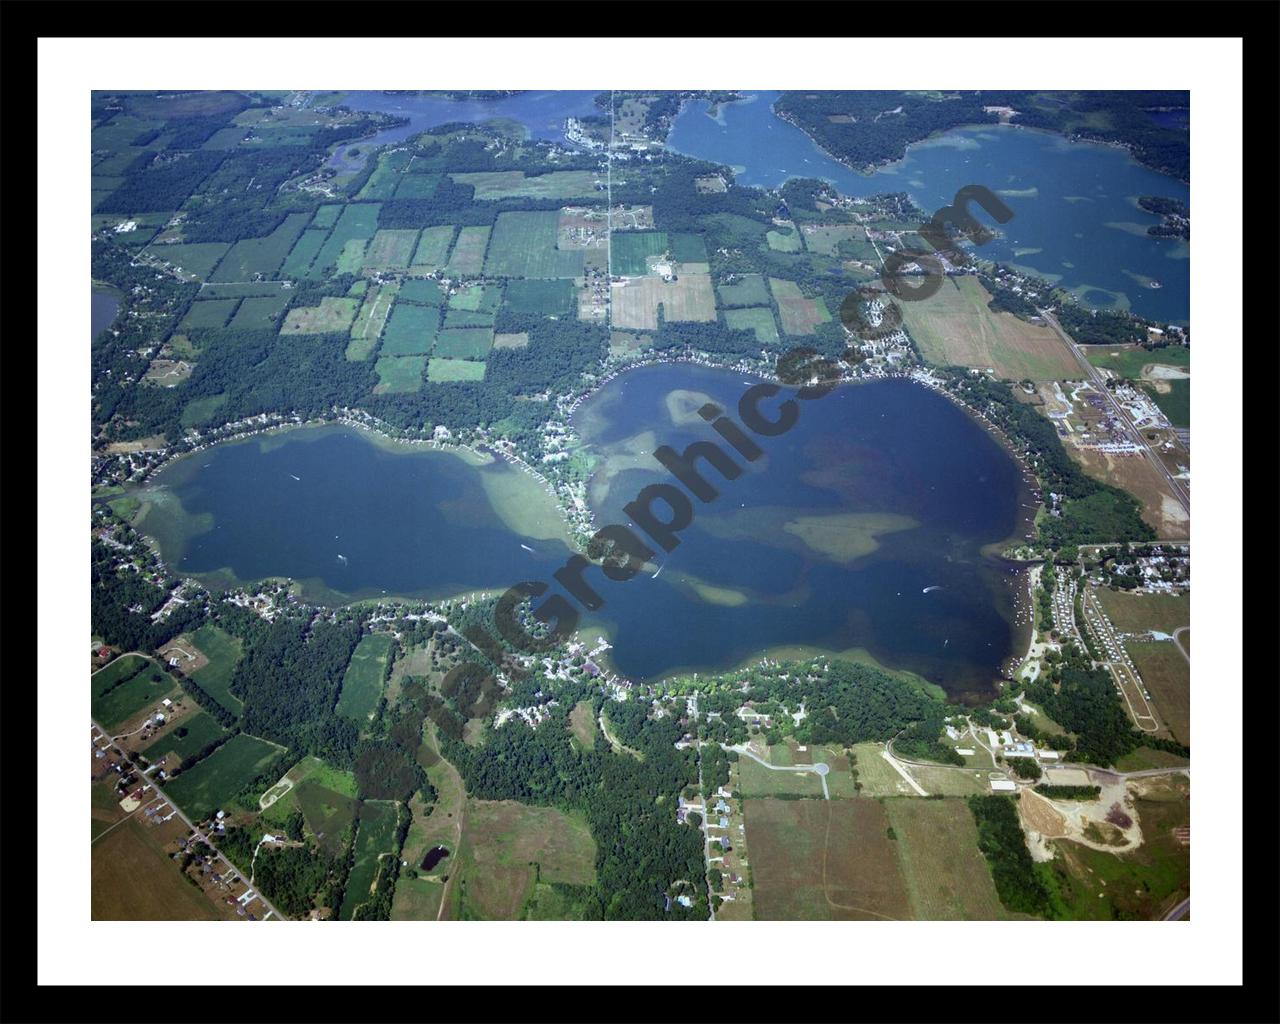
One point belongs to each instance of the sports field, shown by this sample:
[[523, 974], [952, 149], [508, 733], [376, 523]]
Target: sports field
[[362, 684], [127, 687], [433, 248], [954, 327], [747, 290], [636, 301], [223, 651], [946, 875], [824, 860], [399, 374], [758, 319], [467, 259], [332, 316], [206, 786], [512, 184], [446, 370], [524, 245], [799, 315], [410, 330], [375, 836]]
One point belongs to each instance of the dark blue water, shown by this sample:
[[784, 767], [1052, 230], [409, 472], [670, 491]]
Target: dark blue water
[[421, 524], [543, 113], [102, 310], [358, 521], [1075, 223]]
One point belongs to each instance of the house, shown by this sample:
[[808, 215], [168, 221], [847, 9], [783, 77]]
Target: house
[[684, 901], [724, 822]]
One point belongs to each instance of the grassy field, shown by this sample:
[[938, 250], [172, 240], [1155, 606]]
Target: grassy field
[[358, 222], [464, 343], [205, 787], [200, 411], [954, 327], [636, 301], [362, 684], [798, 314], [327, 810], [759, 781], [260, 312], [1130, 360], [747, 290], [208, 313], [509, 184], [304, 251], [505, 840], [194, 260], [758, 319], [1167, 675], [784, 239], [391, 250], [824, 860], [133, 879], [374, 837], [545, 298], [264, 256], [416, 899], [631, 251], [410, 331], [399, 374], [421, 292], [1133, 613], [524, 245], [417, 186], [823, 238], [1174, 399], [386, 176], [445, 370], [468, 259], [876, 774], [582, 722], [433, 249], [455, 319], [1140, 885], [223, 651], [127, 687], [332, 316], [479, 298], [200, 730], [366, 329], [327, 215], [947, 877]]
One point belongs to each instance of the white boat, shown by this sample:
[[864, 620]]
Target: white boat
[[934, 587], [298, 478], [528, 549]]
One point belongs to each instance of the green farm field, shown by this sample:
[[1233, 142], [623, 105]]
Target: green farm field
[[524, 245], [464, 343], [1167, 674], [304, 251], [467, 259], [1135, 613], [259, 312], [747, 290], [954, 327], [421, 292], [199, 730], [799, 315], [194, 260], [206, 786], [362, 684], [375, 836], [542, 297], [367, 327], [332, 316], [399, 374], [480, 298], [633, 249], [127, 687], [390, 250], [252, 256], [759, 320], [410, 330], [947, 877], [513, 184], [433, 249], [445, 370], [223, 651], [208, 313], [358, 222]]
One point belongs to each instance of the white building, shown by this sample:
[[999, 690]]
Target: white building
[[1002, 786]]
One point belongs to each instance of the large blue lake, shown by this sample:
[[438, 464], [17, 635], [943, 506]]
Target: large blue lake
[[1076, 221], [827, 542]]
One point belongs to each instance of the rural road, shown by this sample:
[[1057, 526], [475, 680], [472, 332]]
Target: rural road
[[820, 769], [1178, 912], [1094, 376], [1178, 643], [200, 836]]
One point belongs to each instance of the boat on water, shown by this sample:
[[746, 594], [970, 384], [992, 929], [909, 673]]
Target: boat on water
[[928, 589], [660, 568], [296, 477], [342, 559], [528, 549]]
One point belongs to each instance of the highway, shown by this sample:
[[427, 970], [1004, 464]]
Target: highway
[[1094, 376]]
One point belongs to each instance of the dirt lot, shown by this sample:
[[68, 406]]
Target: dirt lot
[[824, 860], [690, 298]]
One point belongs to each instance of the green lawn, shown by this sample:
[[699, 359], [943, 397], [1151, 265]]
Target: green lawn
[[362, 684], [199, 730]]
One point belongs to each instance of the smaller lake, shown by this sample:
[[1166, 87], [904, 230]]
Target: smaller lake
[[1076, 221], [104, 305], [434, 856], [543, 113]]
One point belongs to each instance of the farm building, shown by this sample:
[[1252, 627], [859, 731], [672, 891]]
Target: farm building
[[1002, 786]]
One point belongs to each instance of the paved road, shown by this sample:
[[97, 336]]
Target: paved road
[[1178, 643], [201, 837], [1178, 912], [1094, 376], [819, 769]]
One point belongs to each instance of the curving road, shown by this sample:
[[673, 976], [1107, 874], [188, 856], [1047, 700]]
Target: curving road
[[820, 769]]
